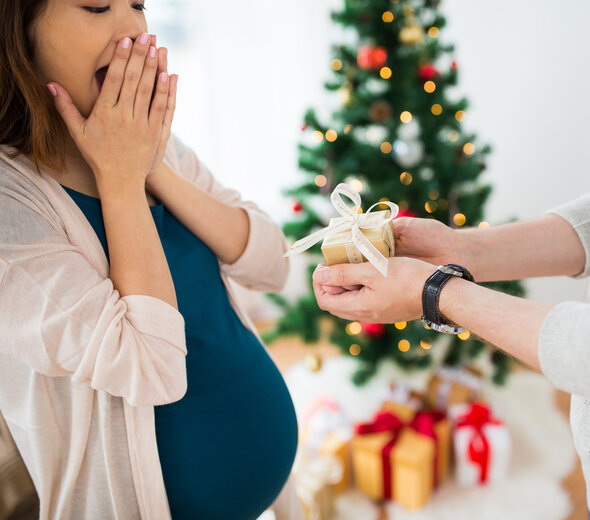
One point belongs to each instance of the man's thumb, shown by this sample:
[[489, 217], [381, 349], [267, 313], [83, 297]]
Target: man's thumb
[[66, 108]]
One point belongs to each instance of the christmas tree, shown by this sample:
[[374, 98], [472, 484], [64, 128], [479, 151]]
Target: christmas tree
[[397, 135]]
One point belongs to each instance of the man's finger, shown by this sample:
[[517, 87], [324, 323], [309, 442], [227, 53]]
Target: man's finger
[[344, 275]]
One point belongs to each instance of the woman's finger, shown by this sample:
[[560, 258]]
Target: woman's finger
[[134, 72], [146, 84], [111, 87], [160, 102], [171, 107], [67, 110]]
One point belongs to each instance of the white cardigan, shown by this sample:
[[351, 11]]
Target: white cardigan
[[81, 367]]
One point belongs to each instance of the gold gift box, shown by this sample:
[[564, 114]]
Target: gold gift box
[[442, 429], [334, 246], [335, 446], [411, 467], [454, 391]]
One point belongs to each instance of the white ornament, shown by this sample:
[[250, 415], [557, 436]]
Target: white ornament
[[408, 153], [409, 131]]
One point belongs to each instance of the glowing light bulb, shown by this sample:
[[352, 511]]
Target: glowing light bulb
[[468, 148], [405, 116], [404, 345], [406, 178], [318, 136], [459, 219], [355, 349], [433, 32], [353, 328], [385, 72], [386, 147], [331, 136], [401, 325], [484, 224], [430, 86], [336, 64], [459, 115], [388, 17], [436, 109], [356, 185], [426, 344], [321, 181], [464, 335]]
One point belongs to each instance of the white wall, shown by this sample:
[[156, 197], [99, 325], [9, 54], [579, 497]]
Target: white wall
[[249, 70]]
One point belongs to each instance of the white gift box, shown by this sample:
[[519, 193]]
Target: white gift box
[[482, 449]]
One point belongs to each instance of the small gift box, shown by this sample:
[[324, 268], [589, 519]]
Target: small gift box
[[482, 445], [450, 386], [340, 248], [327, 431], [402, 401], [400, 461], [355, 236], [315, 477]]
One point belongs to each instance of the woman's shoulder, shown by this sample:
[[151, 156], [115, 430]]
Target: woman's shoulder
[[24, 203]]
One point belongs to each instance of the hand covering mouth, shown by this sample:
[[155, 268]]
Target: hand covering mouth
[[100, 76]]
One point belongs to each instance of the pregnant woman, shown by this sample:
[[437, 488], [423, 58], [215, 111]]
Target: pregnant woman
[[131, 380]]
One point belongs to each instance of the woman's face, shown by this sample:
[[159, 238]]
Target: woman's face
[[73, 39]]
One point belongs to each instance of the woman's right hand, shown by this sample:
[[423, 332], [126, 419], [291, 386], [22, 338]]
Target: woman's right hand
[[120, 138]]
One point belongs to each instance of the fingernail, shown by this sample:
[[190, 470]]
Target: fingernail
[[321, 274], [164, 77], [152, 52], [143, 39], [52, 90], [126, 43]]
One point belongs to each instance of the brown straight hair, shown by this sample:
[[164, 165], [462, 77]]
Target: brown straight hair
[[29, 120]]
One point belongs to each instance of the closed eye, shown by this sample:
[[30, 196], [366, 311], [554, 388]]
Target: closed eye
[[100, 10]]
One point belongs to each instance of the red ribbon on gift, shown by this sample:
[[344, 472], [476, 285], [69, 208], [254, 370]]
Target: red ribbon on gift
[[423, 423], [478, 416]]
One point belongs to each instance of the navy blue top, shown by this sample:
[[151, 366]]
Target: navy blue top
[[227, 447]]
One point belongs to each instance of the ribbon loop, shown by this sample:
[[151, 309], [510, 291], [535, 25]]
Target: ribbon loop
[[353, 220]]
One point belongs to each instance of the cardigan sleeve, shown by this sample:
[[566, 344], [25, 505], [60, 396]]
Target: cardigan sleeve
[[564, 349], [577, 214], [62, 318], [262, 265]]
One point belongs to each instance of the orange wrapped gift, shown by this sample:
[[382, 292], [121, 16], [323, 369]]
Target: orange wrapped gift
[[399, 461]]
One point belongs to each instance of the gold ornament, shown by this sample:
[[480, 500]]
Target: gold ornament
[[313, 362], [411, 34]]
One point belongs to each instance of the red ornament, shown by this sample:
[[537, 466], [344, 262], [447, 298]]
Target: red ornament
[[427, 72], [304, 127], [406, 213], [297, 207], [375, 330], [371, 57], [454, 65]]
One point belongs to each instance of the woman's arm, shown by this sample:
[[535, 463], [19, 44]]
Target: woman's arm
[[222, 227], [260, 264]]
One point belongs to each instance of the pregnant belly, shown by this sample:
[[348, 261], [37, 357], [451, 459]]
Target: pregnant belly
[[227, 447]]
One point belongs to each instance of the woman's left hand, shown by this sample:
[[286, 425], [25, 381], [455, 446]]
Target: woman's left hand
[[373, 298], [158, 164]]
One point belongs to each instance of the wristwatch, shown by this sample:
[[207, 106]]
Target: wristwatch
[[431, 296]]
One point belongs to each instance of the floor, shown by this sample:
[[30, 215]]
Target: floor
[[286, 352]]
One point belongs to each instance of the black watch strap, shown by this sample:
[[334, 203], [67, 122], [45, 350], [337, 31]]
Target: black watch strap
[[431, 296]]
